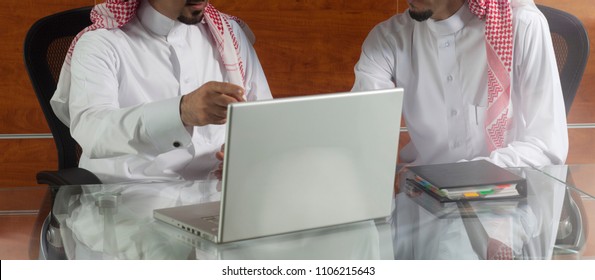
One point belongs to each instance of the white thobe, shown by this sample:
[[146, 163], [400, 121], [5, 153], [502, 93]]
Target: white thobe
[[125, 94], [442, 67]]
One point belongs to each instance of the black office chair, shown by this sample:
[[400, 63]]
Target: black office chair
[[45, 48], [571, 45]]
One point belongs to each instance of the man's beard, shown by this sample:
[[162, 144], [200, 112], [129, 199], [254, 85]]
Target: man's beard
[[421, 16], [196, 18]]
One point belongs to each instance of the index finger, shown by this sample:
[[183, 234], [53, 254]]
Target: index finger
[[234, 91]]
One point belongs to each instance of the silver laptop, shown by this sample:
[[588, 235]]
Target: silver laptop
[[299, 163]]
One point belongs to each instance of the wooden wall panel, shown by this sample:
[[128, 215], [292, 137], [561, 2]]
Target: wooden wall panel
[[582, 146], [16, 233], [20, 160], [20, 111], [309, 47]]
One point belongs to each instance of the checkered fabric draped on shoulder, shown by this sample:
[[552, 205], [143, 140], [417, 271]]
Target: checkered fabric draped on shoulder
[[222, 32], [108, 15], [116, 13], [499, 47]]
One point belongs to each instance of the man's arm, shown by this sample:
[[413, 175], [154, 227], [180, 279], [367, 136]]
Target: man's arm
[[106, 128], [540, 130], [374, 70]]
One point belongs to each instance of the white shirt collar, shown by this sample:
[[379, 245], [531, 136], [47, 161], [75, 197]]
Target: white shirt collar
[[452, 24], [153, 20]]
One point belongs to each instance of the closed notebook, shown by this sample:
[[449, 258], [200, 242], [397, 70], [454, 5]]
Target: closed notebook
[[473, 180]]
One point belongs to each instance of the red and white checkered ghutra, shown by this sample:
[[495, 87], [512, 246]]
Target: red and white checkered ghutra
[[116, 13], [499, 42]]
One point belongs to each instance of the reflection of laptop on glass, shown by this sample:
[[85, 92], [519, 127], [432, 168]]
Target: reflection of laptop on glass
[[300, 163]]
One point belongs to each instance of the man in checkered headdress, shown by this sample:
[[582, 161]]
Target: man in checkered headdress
[[145, 88], [480, 80]]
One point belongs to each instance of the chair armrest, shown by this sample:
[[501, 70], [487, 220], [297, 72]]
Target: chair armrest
[[67, 176]]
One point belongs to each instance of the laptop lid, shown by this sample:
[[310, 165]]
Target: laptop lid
[[299, 163]]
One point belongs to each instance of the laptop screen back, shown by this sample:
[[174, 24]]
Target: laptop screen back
[[305, 162]]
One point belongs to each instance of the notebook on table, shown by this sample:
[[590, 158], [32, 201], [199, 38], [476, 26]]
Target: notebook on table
[[469, 181], [299, 163]]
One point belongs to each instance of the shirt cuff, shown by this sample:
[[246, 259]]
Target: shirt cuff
[[164, 125]]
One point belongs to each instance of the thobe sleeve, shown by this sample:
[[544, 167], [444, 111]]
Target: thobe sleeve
[[375, 68], [100, 125], [540, 135]]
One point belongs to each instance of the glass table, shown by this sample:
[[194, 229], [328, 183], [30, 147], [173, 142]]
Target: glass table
[[579, 208], [116, 222], [551, 223], [580, 176]]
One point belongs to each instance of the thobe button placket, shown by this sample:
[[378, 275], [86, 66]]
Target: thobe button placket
[[449, 78], [177, 144]]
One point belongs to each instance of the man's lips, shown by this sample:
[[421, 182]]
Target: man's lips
[[196, 4]]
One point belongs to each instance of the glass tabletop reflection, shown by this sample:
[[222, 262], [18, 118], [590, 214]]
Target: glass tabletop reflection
[[116, 222], [550, 223]]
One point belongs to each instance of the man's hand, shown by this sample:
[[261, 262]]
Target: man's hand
[[208, 104]]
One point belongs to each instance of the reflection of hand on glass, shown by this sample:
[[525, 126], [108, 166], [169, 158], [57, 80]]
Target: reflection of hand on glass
[[400, 178], [218, 173]]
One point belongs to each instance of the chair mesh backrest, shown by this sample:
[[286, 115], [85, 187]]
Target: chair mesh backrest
[[46, 45], [571, 45]]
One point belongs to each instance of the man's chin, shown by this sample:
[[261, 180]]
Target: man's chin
[[190, 20], [421, 15]]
